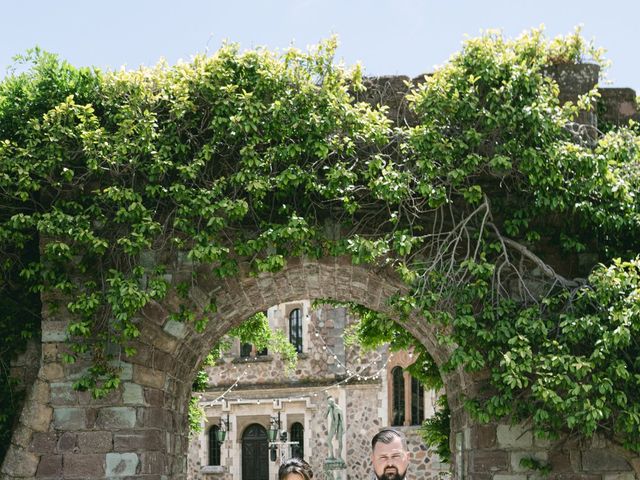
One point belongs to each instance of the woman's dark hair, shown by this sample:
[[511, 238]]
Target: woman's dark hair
[[295, 465]]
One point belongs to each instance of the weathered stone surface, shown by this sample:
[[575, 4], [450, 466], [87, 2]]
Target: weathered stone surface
[[121, 464], [176, 329], [154, 397], [134, 440], [69, 418], [560, 461], [67, 443], [603, 460], [83, 466], [153, 418], [50, 466], [95, 442], [132, 394], [489, 460], [154, 463], [514, 436], [62, 393], [148, 377], [111, 418], [52, 371], [54, 331], [22, 436], [20, 463], [43, 442], [617, 105], [483, 437]]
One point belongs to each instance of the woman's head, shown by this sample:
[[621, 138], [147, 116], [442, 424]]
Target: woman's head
[[295, 469]]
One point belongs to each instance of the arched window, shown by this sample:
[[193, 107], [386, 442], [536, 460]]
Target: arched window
[[297, 435], [214, 446], [295, 329], [397, 407], [417, 402], [245, 350]]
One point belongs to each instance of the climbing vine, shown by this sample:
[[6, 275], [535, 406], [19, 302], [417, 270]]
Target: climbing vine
[[259, 157]]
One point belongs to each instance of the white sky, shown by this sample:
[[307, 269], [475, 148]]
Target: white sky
[[387, 36]]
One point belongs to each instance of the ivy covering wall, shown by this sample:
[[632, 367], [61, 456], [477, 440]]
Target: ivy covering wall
[[262, 156]]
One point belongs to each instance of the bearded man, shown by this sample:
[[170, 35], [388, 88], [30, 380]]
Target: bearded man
[[389, 454]]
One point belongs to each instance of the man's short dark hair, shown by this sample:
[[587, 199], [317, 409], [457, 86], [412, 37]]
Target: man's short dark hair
[[388, 435]]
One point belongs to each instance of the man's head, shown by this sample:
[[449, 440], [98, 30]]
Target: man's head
[[389, 454]]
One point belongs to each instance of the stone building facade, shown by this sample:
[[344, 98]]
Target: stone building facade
[[252, 392]]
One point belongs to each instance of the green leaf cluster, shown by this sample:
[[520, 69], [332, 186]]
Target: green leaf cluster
[[259, 157]]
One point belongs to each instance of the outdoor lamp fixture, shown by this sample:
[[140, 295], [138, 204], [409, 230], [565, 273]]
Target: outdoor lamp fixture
[[221, 433], [274, 429], [272, 435]]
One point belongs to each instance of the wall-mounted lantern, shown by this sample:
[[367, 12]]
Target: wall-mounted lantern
[[221, 433], [272, 435]]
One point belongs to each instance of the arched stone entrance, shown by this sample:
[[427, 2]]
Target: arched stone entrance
[[142, 428], [140, 431], [255, 453]]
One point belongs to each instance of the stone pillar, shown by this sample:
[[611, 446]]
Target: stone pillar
[[137, 431]]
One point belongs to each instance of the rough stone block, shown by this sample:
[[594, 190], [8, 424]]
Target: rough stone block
[[132, 394], [128, 441], [37, 416], [95, 442], [514, 436], [121, 464], [483, 436], [155, 418], [176, 329], [19, 462], [155, 312], [148, 377], [63, 394], [116, 417], [54, 331], [503, 476], [153, 463], [67, 443], [83, 466], [154, 397], [159, 338], [50, 466], [69, 418], [43, 442], [489, 461], [560, 461], [604, 460], [52, 371], [22, 436]]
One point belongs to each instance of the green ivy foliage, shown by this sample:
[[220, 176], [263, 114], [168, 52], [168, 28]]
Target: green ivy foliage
[[264, 156], [372, 330]]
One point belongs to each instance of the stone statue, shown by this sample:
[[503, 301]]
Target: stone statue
[[336, 427]]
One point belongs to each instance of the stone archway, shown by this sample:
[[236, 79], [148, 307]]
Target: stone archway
[[141, 429]]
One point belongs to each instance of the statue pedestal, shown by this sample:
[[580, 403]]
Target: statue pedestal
[[335, 469]]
